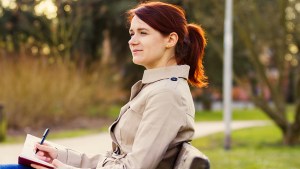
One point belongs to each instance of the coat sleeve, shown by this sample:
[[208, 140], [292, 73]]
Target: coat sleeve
[[161, 121], [77, 159]]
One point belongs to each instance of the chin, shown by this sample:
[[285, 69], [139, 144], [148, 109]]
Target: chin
[[137, 61]]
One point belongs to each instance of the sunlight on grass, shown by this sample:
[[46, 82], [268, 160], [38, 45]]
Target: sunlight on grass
[[253, 148], [239, 114], [58, 135]]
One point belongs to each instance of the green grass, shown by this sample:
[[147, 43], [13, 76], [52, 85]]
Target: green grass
[[252, 148], [239, 114], [57, 135], [114, 111], [73, 133], [205, 115], [217, 115]]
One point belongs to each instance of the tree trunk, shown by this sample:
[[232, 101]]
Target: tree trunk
[[106, 48], [291, 135], [290, 131]]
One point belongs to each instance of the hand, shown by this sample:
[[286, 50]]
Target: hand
[[56, 163], [46, 152]]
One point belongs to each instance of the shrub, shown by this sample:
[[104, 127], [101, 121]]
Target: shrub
[[36, 92], [2, 124]]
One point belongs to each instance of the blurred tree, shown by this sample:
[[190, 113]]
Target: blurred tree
[[71, 30], [210, 14], [275, 57], [266, 54]]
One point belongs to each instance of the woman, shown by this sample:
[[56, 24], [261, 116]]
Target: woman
[[159, 116]]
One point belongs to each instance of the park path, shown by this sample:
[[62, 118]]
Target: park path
[[99, 143]]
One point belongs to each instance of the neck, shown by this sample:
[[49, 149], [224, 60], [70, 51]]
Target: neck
[[170, 62]]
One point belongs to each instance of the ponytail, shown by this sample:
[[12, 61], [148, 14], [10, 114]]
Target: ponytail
[[195, 43]]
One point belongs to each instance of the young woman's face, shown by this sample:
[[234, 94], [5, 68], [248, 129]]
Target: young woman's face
[[147, 45]]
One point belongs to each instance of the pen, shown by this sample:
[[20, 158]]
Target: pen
[[43, 138]]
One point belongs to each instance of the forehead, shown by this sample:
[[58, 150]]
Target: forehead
[[137, 23]]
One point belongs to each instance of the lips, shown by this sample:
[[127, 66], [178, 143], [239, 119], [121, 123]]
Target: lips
[[136, 50]]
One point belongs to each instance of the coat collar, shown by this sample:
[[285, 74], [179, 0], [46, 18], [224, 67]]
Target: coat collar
[[152, 75]]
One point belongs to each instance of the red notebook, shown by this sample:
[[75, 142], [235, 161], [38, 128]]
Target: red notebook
[[28, 156]]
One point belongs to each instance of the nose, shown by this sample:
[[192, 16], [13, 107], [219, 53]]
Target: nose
[[133, 40]]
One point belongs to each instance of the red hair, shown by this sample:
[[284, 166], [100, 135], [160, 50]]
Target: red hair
[[167, 18]]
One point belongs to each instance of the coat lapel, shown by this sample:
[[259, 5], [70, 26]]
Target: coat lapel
[[136, 88]]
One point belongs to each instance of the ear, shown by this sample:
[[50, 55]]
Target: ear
[[172, 40]]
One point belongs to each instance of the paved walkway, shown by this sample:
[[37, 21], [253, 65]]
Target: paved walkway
[[99, 143]]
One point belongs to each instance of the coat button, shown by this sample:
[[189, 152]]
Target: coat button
[[173, 78]]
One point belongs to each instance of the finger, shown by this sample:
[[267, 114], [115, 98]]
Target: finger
[[44, 148], [48, 159], [42, 158], [40, 153], [37, 145]]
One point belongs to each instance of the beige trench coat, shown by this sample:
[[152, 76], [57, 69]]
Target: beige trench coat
[[150, 127]]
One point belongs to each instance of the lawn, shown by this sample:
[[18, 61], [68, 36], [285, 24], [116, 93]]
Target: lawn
[[56, 135], [239, 114], [252, 148]]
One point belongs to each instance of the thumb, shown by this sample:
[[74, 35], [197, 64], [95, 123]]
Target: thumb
[[44, 148]]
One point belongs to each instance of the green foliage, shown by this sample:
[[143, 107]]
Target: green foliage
[[77, 31], [254, 148], [3, 124], [3, 128]]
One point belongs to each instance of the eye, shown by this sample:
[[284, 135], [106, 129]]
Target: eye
[[131, 34], [144, 33]]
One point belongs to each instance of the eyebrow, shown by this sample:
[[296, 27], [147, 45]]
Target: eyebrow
[[138, 29]]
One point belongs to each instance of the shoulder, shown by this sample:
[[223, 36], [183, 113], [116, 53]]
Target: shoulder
[[171, 87]]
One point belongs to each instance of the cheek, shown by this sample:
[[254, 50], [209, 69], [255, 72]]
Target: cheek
[[153, 47], [157, 50], [156, 47]]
